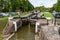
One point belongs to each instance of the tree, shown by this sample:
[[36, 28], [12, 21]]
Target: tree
[[12, 5], [41, 8], [2, 5], [57, 6]]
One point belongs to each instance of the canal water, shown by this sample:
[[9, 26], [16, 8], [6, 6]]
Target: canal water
[[26, 32]]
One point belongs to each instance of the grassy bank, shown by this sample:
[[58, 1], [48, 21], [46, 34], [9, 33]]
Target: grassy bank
[[3, 22], [47, 14]]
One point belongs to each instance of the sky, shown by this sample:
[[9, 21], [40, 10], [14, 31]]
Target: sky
[[45, 3]]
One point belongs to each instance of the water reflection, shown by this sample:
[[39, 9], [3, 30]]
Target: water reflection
[[26, 32]]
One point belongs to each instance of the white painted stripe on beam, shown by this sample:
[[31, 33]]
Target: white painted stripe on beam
[[15, 25], [36, 26]]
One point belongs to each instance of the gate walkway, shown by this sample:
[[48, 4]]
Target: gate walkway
[[47, 32]]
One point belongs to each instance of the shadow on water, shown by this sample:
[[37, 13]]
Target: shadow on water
[[26, 32]]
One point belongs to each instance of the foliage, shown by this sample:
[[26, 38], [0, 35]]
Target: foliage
[[48, 14], [12, 5], [57, 6], [42, 8], [3, 22]]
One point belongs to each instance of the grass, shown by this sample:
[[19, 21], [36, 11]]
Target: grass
[[3, 22], [47, 14]]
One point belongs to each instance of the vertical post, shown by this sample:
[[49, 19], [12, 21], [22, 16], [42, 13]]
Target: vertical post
[[36, 27], [29, 28], [55, 21], [52, 20], [15, 25], [47, 22]]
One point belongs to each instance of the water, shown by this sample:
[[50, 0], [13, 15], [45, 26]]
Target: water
[[26, 32]]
